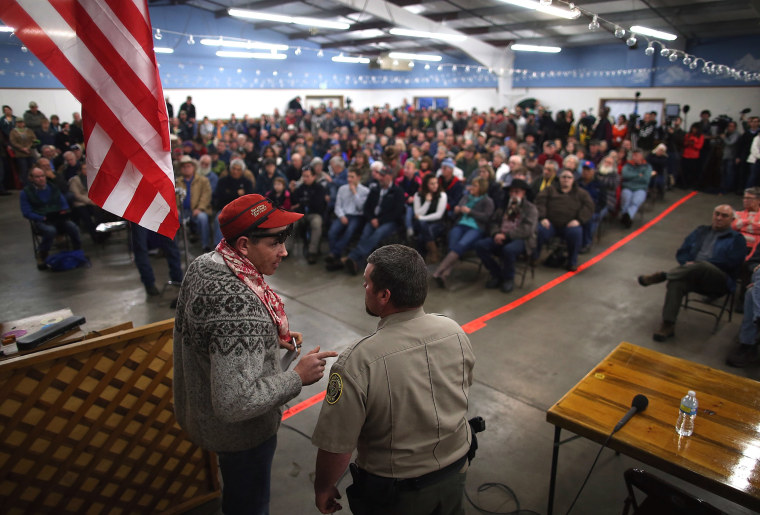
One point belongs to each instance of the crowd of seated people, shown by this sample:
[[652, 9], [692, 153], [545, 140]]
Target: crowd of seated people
[[499, 184]]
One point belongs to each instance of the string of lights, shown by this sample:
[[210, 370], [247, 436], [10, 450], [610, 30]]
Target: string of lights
[[654, 40], [673, 55]]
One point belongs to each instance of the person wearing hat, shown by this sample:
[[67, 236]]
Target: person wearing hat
[[450, 184], [515, 236], [562, 212], [384, 214], [598, 192], [635, 181], [196, 202], [229, 386], [33, 117]]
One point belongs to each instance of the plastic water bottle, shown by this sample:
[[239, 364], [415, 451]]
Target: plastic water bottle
[[686, 414]]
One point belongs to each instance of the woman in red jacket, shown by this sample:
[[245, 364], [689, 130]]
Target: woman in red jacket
[[692, 144]]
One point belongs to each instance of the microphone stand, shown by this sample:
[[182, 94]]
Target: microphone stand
[[180, 194]]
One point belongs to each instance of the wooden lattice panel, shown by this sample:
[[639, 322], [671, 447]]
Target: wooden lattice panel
[[90, 428]]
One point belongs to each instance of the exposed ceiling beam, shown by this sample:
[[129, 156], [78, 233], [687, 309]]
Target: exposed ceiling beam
[[379, 24], [617, 17], [359, 42], [332, 13], [478, 50]]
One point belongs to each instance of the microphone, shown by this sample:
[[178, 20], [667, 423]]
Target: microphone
[[640, 403]]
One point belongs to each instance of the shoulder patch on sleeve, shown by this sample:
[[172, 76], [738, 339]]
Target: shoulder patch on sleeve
[[334, 388]]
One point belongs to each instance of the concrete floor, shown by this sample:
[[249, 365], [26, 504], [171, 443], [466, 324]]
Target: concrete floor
[[526, 359]]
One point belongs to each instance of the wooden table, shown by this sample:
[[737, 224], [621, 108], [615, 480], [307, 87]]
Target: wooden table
[[723, 454]]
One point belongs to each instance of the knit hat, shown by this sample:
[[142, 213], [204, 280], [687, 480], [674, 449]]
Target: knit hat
[[448, 162], [252, 211]]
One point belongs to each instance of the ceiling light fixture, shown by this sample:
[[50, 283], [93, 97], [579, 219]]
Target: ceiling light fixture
[[594, 23], [163, 50], [5, 28], [571, 14], [245, 14], [415, 57], [348, 59], [536, 48], [646, 31], [249, 45], [431, 35], [250, 55]]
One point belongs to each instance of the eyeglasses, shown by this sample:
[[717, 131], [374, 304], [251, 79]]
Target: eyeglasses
[[565, 176], [721, 214]]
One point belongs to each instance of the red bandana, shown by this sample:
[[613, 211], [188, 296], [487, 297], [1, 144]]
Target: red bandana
[[242, 267]]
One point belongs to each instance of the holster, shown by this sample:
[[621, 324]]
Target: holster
[[369, 492]]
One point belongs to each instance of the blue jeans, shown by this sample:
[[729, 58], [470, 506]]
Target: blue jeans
[[140, 245], [370, 239], [427, 231], [748, 331], [573, 237], [340, 235], [728, 176], [508, 253], [217, 230], [202, 225], [409, 217], [247, 477], [589, 228], [630, 201], [23, 167], [48, 231], [463, 238]]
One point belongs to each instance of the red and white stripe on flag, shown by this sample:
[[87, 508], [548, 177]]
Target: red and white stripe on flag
[[102, 52]]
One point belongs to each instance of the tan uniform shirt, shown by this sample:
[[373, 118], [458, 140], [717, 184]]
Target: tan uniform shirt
[[400, 397]]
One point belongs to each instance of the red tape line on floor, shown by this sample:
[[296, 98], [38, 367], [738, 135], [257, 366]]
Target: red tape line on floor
[[480, 322], [308, 403]]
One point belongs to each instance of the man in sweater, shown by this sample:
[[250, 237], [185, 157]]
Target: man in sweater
[[228, 331], [709, 260]]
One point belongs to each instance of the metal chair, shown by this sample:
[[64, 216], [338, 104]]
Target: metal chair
[[662, 498], [726, 304]]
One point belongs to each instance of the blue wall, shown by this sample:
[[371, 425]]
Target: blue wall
[[615, 65], [196, 66]]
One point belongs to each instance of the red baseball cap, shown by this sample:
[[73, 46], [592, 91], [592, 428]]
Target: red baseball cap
[[252, 211]]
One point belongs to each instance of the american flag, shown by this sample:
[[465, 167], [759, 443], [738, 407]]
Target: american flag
[[102, 52]]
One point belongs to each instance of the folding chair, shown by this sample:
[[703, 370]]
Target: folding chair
[[662, 498], [721, 303]]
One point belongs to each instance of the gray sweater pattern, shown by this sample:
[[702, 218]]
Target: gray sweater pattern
[[228, 386]]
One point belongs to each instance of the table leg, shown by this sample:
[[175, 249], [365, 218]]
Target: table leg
[[553, 479]]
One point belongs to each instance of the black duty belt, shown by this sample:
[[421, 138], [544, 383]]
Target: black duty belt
[[418, 483]]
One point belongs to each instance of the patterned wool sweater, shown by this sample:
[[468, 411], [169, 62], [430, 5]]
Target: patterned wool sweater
[[228, 385]]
